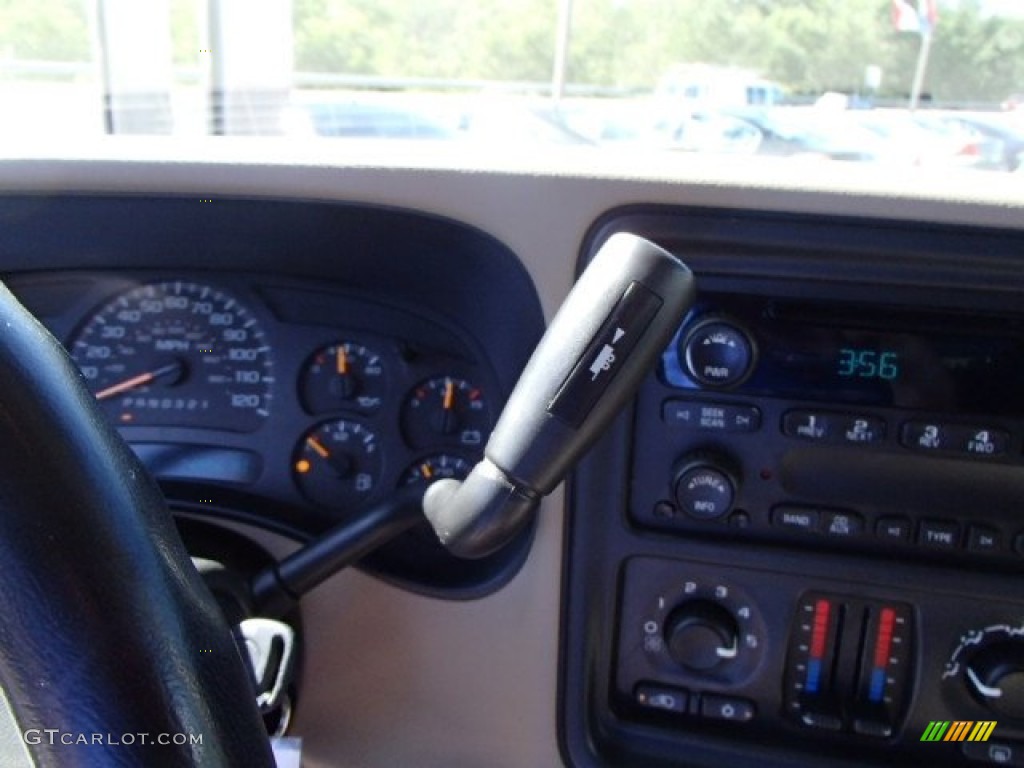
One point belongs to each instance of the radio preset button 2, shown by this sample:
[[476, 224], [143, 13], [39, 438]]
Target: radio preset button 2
[[862, 430]]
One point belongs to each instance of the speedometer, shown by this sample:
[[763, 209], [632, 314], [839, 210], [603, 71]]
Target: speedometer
[[177, 354]]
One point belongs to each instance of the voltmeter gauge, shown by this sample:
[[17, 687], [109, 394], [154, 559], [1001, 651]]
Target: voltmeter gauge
[[446, 409], [343, 376], [337, 464], [436, 467]]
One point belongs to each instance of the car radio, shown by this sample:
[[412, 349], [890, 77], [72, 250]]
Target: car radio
[[839, 425]]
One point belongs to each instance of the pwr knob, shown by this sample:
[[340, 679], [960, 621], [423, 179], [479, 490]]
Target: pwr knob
[[701, 634], [705, 487], [718, 353]]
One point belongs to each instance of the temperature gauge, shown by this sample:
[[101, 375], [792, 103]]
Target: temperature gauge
[[446, 409], [343, 376], [337, 464], [440, 465]]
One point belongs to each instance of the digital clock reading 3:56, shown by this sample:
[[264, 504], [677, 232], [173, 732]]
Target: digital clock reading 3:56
[[868, 364]]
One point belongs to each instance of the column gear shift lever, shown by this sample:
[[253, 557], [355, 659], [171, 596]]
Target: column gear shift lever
[[604, 340]]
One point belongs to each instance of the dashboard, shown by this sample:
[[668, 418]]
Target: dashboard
[[800, 545], [293, 404]]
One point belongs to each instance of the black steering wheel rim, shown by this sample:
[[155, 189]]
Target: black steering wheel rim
[[108, 632]]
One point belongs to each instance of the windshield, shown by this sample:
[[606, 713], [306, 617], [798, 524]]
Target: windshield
[[907, 83]]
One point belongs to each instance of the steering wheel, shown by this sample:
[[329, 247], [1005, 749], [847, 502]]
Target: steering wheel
[[112, 651]]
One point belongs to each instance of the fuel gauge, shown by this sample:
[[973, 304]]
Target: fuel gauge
[[343, 376], [446, 409], [337, 464]]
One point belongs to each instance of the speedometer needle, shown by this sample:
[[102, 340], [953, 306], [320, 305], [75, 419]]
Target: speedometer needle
[[138, 381]]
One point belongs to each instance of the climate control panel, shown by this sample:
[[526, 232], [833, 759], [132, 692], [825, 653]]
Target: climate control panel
[[768, 655]]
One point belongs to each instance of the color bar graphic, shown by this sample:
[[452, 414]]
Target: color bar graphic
[[958, 730]]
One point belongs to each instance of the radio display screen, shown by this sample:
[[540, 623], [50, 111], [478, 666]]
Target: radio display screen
[[915, 363]]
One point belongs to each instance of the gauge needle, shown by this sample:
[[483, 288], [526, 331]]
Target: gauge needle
[[342, 361], [449, 394], [317, 446], [137, 381], [341, 464]]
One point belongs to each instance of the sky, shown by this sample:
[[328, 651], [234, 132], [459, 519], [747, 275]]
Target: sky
[[1004, 7]]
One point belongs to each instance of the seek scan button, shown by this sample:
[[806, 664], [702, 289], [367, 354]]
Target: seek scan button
[[717, 417]]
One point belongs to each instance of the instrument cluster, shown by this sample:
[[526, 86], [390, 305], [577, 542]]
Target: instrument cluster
[[324, 418]]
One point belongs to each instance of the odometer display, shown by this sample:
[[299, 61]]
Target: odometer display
[[177, 354]]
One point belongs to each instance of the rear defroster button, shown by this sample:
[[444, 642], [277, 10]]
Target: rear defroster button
[[729, 708]]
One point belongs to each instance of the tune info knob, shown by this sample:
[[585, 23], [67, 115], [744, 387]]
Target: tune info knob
[[705, 486], [701, 634]]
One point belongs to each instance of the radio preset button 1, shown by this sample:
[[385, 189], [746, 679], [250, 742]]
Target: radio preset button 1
[[810, 425], [719, 417]]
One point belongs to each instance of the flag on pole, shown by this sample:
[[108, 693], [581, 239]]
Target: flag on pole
[[927, 14], [907, 18]]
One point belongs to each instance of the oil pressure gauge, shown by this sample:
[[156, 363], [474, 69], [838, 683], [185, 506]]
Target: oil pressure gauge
[[446, 409], [343, 376], [337, 464]]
